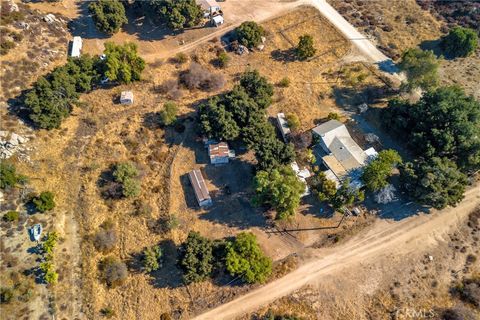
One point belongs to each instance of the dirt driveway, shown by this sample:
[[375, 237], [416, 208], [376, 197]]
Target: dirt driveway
[[385, 238]]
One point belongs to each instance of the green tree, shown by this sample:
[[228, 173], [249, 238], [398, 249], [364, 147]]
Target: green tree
[[324, 188], [271, 152], [421, 68], [435, 182], [346, 196], [50, 100], [460, 42], [11, 216], [250, 34], [280, 189], [375, 175], [216, 122], [179, 14], [122, 62], [246, 259], [44, 202], [109, 15], [169, 113], [444, 123], [9, 177], [257, 87], [152, 258], [49, 244], [196, 258], [305, 47]]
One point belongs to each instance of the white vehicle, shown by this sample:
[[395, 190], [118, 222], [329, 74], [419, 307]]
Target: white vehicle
[[35, 232]]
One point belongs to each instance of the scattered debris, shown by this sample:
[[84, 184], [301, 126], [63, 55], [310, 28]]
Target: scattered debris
[[362, 108], [386, 195], [371, 138], [13, 145]]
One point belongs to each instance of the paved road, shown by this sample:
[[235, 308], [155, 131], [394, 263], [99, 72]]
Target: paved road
[[399, 238]]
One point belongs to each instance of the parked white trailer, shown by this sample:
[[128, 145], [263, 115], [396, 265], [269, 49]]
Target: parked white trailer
[[76, 47]]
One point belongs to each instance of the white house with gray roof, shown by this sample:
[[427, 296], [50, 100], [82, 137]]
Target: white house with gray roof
[[343, 155]]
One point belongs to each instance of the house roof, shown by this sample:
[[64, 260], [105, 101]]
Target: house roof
[[345, 154], [218, 150], [199, 186]]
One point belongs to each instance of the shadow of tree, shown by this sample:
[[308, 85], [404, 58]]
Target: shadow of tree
[[169, 275], [287, 55], [108, 187]]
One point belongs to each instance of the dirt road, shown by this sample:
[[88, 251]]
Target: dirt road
[[397, 238]]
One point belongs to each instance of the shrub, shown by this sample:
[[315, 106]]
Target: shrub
[[171, 89], [181, 58], [11, 216], [49, 244], [250, 34], [109, 15], [333, 116], [459, 312], [106, 238], [198, 77], [5, 46], [131, 188], [469, 290], [179, 14], [305, 48], [152, 258], [246, 259], [44, 202], [284, 83], [107, 312], [293, 121], [460, 42], [124, 171], [169, 113], [223, 59], [9, 177], [122, 62], [113, 271], [49, 274], [196, 258], [6, 295]]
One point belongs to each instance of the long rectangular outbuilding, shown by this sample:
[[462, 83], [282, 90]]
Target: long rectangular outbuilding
[[200, 188]]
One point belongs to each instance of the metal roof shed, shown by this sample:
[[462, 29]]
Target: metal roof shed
[[200, 188], [126, 97]]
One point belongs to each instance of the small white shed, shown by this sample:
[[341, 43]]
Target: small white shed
[[217, 21], [126, 97], [77, 44]]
